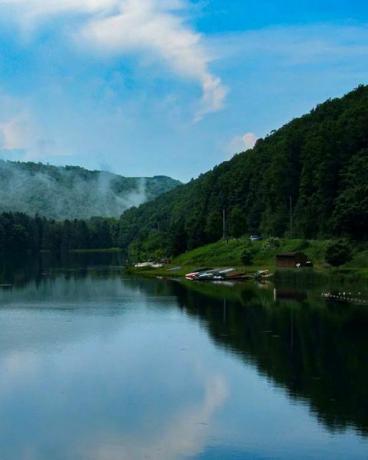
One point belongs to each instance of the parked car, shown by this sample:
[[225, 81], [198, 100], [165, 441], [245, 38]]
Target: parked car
[[255, 237]]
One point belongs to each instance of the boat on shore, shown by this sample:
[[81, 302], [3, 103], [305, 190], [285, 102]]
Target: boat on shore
[[197, 272], [226, 274]]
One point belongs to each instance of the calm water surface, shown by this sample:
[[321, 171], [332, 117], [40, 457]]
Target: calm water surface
[[97, 365]]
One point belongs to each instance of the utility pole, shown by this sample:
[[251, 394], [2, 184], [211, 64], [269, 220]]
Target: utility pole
[[224, 224], [291, 216]]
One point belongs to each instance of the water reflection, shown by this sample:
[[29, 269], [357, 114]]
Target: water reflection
[[315, 349], [19, 269], [98, 365]]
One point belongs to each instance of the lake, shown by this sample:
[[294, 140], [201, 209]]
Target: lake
[[99, 365]]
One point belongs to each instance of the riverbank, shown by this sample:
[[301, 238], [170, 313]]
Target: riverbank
[[263, 254]]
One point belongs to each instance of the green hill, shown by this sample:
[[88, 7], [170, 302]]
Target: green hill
[[313, 170], [73, 192]]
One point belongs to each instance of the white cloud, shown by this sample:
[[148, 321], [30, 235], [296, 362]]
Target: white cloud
[[35, 10], [154, 27], [183, 436], [16, 124], [249, 140], [241, 143], [14, 133], [22, 138]]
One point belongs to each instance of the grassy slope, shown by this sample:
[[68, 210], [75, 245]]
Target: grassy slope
[[228, 253]]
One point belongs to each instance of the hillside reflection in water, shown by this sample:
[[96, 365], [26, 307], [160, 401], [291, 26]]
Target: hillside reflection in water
[[99, 365]]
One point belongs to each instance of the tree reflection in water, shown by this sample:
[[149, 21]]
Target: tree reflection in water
[[315, 349]]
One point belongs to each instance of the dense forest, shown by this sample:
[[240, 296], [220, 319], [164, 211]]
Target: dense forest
[[72, 192], [19, 232], [309, 179]]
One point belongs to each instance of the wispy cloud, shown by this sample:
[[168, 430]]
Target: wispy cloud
[[183, 437], [16, 124], [157, 27], [249, 140], [241, 143], [35, 10], [21, 136], [14, 133]]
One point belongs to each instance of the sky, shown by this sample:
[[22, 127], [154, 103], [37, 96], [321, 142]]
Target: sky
[[167, 87]]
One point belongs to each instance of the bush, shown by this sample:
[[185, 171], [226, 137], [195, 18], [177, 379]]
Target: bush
[[271, 243], [302, 246], [338, 253], [247, 256]]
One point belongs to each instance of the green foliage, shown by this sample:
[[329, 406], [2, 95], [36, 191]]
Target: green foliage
[[237, 222], [271, 243], [148, 249], [177, 238], [350, 215], [247, 256], [317, 163], [338, 253], [19, 233], [218, 254], [302, 246], [228, 253]]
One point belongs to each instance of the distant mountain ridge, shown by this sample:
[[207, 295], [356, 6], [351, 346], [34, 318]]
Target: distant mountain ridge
[[72, 192]]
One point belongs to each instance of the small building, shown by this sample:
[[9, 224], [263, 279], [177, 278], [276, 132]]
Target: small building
[[291, 260]]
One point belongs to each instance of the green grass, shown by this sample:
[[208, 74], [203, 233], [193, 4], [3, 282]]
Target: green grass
[[228, 254], [216, 254]]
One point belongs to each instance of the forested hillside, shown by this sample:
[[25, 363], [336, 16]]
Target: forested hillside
[[313, 170], [307, 180], [72, 192]]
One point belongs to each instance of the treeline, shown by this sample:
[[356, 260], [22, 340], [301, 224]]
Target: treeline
[[20, 233], [310, 178]]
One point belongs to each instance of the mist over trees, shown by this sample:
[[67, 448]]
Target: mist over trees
[[312, 173], [72, 192]]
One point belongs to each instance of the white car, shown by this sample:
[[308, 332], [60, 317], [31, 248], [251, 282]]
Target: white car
[[255, 237]]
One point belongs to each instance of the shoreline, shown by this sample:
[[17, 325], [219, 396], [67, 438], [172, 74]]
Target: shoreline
[[343, 273], [229, 253]]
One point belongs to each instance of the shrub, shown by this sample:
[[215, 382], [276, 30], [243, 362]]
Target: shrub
[[338, 253], [271, 243], [247, 256], [304, 244]]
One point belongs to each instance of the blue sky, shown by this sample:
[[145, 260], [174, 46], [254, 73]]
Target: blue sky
[[145, 87]]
